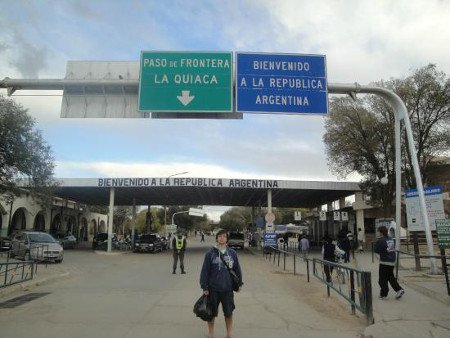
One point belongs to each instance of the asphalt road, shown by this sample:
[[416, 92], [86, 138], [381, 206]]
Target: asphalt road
[[136, 295]]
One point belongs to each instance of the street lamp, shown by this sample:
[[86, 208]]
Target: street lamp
[[165, 208]]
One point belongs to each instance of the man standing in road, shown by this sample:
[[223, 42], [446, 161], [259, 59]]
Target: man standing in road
[[179, 246], [215, 280]]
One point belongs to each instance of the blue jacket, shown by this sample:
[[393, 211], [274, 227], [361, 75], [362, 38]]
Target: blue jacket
[[215, 275], [385, 247]]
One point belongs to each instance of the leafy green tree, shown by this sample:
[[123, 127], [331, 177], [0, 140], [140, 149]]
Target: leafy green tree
[[23, 155], [359, 135], [236, 218]]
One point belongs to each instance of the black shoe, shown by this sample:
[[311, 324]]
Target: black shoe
[[174, 272], [183, 272]]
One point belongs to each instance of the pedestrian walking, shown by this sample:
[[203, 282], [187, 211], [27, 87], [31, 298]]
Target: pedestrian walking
[[215, 280], [328, 254], [345, 245], [385, 247], [202, 237], [179, 246], [304, 246]]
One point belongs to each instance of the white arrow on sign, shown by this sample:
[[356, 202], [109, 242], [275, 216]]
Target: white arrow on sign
[[185, 97]]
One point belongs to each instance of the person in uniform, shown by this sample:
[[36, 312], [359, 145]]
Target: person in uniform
[[179, 246]]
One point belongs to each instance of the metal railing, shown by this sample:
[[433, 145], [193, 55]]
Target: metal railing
[[443, 259], [353, 285], [16, 272]]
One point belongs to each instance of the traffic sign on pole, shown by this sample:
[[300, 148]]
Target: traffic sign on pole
[[185, 82], [285, 83]]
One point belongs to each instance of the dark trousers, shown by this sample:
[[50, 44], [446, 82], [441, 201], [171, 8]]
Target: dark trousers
[[180, 255], [385, 276], [347, 256], [328, 269]]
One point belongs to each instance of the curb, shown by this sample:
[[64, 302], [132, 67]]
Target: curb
[[25, 286], [426, 292]]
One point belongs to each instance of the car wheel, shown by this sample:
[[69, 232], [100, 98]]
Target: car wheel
[[59, 261], [11, 254]]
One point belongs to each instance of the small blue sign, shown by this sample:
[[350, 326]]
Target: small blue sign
[[427, 191], [284, 83], [270, 239]]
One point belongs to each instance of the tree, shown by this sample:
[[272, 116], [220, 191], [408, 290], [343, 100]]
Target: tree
[[23, 155], [236, 218], [359, 134], [122, 214]]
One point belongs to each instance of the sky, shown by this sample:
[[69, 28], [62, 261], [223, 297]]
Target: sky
[[363, 41]]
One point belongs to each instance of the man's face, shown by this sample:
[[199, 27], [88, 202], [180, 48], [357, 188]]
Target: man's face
[[222, 239]]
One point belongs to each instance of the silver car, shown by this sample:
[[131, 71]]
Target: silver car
[[38, 246]]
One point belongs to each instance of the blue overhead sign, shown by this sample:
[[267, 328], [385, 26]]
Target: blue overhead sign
[[285, 83]]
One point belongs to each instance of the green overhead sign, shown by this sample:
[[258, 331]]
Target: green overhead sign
[[186, 82]]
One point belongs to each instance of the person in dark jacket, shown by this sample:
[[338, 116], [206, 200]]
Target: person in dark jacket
[[385, 247], [328, 254], [345, 245], [215, 280]]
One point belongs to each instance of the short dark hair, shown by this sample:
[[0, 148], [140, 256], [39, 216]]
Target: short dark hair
[[383, 230], [221, 232]]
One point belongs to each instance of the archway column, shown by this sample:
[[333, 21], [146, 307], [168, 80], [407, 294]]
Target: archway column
[[110, 217]]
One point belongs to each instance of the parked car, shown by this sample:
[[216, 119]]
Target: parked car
[[68, 241], [148, 243], [236, 240], [34, 245], [5, 243]]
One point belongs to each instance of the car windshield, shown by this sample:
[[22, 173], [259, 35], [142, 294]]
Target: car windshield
[[236, 235], [41, 238], [148, 238]]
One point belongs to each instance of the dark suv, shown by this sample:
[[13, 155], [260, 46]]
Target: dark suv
[[148, 243]]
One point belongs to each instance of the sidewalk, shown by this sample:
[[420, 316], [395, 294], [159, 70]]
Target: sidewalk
[[424, 310]]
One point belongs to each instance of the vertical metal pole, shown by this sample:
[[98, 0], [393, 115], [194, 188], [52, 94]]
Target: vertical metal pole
[[133, 223], [269, 200], [294, 264], [110, 217], [307, 268], [397, 263], [398, 181], [416, 251], [367, 287], [445, 270], [423, 208], [352, 290]]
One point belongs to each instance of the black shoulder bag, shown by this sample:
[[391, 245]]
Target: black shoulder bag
[[233, 275]]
